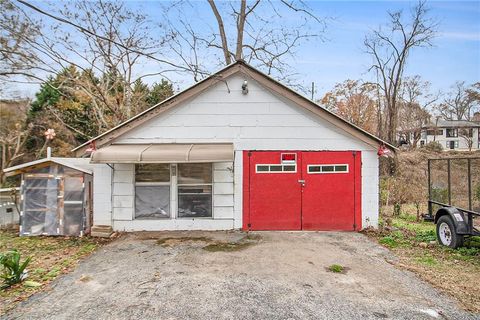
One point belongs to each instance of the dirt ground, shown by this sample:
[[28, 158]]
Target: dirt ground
[[229, 275]]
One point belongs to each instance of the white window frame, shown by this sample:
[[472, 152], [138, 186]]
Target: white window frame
[[177, 185], [328, 165], [275, 164], [153, 184]]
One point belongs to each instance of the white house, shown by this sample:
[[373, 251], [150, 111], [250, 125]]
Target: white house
[[236, 150], [460, 135]]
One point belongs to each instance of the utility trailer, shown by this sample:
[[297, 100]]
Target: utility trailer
[[454, 199]]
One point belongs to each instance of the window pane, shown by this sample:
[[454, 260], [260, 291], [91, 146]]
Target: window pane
[[327, 168], [262, 168], [191, 173], [152, 201], [276, 168], [342, 168], [195, 201], [288, 168], [152, 172], [314, 169]]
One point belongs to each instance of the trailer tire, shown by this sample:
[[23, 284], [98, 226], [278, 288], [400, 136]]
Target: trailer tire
[[446, 234]]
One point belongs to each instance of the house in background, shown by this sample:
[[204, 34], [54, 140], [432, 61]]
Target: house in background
[[451, 134]]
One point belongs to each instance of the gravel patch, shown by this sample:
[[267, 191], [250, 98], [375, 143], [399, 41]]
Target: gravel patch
[[278, 275]]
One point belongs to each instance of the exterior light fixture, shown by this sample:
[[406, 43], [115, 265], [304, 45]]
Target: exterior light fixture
[[245, 87]]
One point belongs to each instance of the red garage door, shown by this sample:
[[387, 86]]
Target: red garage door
[[299, 190]]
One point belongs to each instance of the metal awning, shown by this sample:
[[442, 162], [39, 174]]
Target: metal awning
[[163, 153]]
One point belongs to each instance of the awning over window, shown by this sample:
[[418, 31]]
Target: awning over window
[[163, 153]]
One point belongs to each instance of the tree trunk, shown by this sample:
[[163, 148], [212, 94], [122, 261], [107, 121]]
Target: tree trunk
[[240, 28], [221, 29]]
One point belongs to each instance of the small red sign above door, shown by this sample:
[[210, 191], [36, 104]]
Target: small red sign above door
[[289, 157]]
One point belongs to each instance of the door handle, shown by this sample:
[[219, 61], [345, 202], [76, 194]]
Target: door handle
[[302, 182]]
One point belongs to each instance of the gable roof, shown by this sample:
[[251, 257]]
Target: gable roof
[[73, 163], [221, 76]]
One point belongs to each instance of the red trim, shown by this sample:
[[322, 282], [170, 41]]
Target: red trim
[[358, 191], [246, 190]]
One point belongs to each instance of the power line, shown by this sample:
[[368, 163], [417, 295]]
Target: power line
[[87, 31]]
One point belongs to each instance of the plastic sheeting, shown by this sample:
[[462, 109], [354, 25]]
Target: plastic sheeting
[[194, 201], [53, 202], [152, 201]]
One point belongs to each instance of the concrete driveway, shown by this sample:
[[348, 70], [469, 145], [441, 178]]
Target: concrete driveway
[[269, 275]]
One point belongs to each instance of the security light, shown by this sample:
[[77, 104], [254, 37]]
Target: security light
[[245, 87]]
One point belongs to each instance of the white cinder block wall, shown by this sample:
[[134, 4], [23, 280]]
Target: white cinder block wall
[[102, 195], [259, 120]]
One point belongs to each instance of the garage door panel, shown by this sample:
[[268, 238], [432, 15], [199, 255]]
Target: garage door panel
[[329, 193], [275, 195], [328, 198]]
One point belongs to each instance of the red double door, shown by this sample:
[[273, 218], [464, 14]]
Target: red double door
[[302, 190]]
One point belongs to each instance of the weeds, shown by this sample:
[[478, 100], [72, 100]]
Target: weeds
[[336, 268], [13, 270]]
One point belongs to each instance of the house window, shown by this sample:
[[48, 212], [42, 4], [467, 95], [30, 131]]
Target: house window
[[452, 144], [194, 190], [432, 132], [152, 191], [422, 143], [466, 132], [452, 133]]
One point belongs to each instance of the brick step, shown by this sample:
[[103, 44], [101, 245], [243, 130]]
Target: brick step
[[101, 231]]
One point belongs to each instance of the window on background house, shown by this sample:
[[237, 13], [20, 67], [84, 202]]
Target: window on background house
[[452, 133], [152, 191], [432, 132], [452, 144], [466, 132], [194, 190]]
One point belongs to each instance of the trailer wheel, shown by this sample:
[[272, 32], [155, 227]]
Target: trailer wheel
[[446, 233]]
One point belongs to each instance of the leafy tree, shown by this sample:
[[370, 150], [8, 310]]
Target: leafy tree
[[159, 92], [354, 101]]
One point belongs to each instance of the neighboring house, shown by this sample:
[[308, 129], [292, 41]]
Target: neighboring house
[[236, 150], [451, 134]]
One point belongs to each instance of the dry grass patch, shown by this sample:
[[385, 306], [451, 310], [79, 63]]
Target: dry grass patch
[[455, 272], [51, 257], [171, 241]]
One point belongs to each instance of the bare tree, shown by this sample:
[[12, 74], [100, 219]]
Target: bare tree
[[256, 32], [461, 102], [467, 135], [13, 133], [415, 106], [17, 59], [390, 48]]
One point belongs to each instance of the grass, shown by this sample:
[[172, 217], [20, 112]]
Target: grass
[[336, 268], [51, 257], [453, 271]]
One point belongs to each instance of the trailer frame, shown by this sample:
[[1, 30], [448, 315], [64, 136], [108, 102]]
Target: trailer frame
[[460, 220]]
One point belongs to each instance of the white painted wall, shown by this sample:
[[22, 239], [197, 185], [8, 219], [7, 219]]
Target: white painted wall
[[102, 195], [123, 195], [260, 120]]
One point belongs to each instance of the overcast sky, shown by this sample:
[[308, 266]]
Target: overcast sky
[[455, 56]]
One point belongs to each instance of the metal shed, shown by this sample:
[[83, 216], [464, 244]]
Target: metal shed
[[56, 197]]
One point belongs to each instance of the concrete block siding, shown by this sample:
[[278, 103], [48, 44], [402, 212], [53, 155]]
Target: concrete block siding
[[259, 120]]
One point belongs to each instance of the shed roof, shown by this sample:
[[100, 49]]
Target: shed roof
[[79, 164], [271, 84]]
